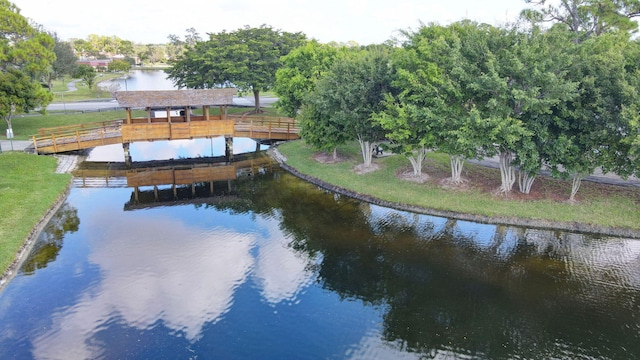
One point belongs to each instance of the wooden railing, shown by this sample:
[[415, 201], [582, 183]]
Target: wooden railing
[[83, 136], [265, 127], [76, 137], [67, 128]]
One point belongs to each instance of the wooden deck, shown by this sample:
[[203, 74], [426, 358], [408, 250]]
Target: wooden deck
[[71, 138]]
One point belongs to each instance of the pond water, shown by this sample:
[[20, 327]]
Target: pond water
[[264, 265], [141, 80]]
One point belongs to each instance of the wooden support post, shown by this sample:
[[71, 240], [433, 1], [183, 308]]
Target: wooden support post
[[188, 113], [136, 196], [175, 191], [128, 110], [155, 192], [228, 148], [205, 111], [169, 114], [127, 154]]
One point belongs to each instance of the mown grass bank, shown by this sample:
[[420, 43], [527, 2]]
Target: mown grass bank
[[29, 188], [602, 208]]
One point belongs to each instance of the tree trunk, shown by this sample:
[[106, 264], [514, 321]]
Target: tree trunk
[[12, 109], [335, 153], [525, 181], [507, 172], [457, 162], [256, 100], [416, 160], [575, 185], [367, 151]]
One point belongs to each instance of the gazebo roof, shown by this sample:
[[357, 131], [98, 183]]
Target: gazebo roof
[[169, 98]]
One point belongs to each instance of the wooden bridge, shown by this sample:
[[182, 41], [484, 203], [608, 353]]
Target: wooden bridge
[[172, 124]]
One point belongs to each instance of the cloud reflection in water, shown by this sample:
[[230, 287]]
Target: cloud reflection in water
[[159, 270]]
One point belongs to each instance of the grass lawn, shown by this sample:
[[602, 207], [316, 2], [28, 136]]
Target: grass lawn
[[28, 188], [61, 93], [598, 204]]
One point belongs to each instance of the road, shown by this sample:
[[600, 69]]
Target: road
[[111, 104]]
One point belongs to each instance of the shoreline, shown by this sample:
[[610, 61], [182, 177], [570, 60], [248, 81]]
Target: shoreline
[[500, 220], [31, 239]]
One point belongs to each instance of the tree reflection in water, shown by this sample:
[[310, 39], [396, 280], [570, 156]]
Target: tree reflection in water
[[447, 287], [50, 241]]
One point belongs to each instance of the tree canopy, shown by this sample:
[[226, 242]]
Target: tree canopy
[[247, 58], [301, 68], [26, 56], [586, 18], [537, 98], [348, 95]]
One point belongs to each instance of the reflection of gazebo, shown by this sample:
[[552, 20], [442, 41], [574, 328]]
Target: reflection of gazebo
[[177, 120]]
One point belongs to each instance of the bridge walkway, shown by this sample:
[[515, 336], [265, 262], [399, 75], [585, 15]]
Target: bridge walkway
[[84, 136]]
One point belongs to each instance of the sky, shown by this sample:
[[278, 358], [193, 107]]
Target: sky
[[362, 21]]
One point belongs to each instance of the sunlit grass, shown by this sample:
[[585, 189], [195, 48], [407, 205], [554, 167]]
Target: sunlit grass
[[28, 188], [601, 205]]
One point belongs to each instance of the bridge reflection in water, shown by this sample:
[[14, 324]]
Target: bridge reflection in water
[[173, 182]]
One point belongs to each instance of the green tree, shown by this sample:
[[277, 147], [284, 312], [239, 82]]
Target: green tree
[[83, 48], [66, 60], [596, 127], [119, 65], [586, 18], [247, 58], [177, 46], [301, 69], [19, 93], [349, 95], [26, 54], [87, 74]]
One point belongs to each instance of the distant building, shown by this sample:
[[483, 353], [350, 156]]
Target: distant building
[[96, 64]]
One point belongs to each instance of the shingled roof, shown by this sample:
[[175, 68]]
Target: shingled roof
[[165, 98]]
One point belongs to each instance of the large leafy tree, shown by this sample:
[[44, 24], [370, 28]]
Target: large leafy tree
[[87, 74], [247, 58], [596, 126], [410, 118], [66, 60], [349, 95], [26, 54], [300, 71]]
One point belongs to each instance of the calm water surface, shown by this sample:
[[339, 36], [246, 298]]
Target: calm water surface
[[266, 266], [141, 80]]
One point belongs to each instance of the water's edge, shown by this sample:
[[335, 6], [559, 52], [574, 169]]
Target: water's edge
[[24, 251]]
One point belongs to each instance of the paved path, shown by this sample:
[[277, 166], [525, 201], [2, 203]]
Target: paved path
[[15, 145]]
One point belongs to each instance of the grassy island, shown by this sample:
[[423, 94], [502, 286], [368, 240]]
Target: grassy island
[[598, 205]]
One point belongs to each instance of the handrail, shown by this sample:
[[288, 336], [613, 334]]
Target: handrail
[[93, 125]]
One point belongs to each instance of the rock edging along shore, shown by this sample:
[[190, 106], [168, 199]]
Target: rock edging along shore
[[495, 220]]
